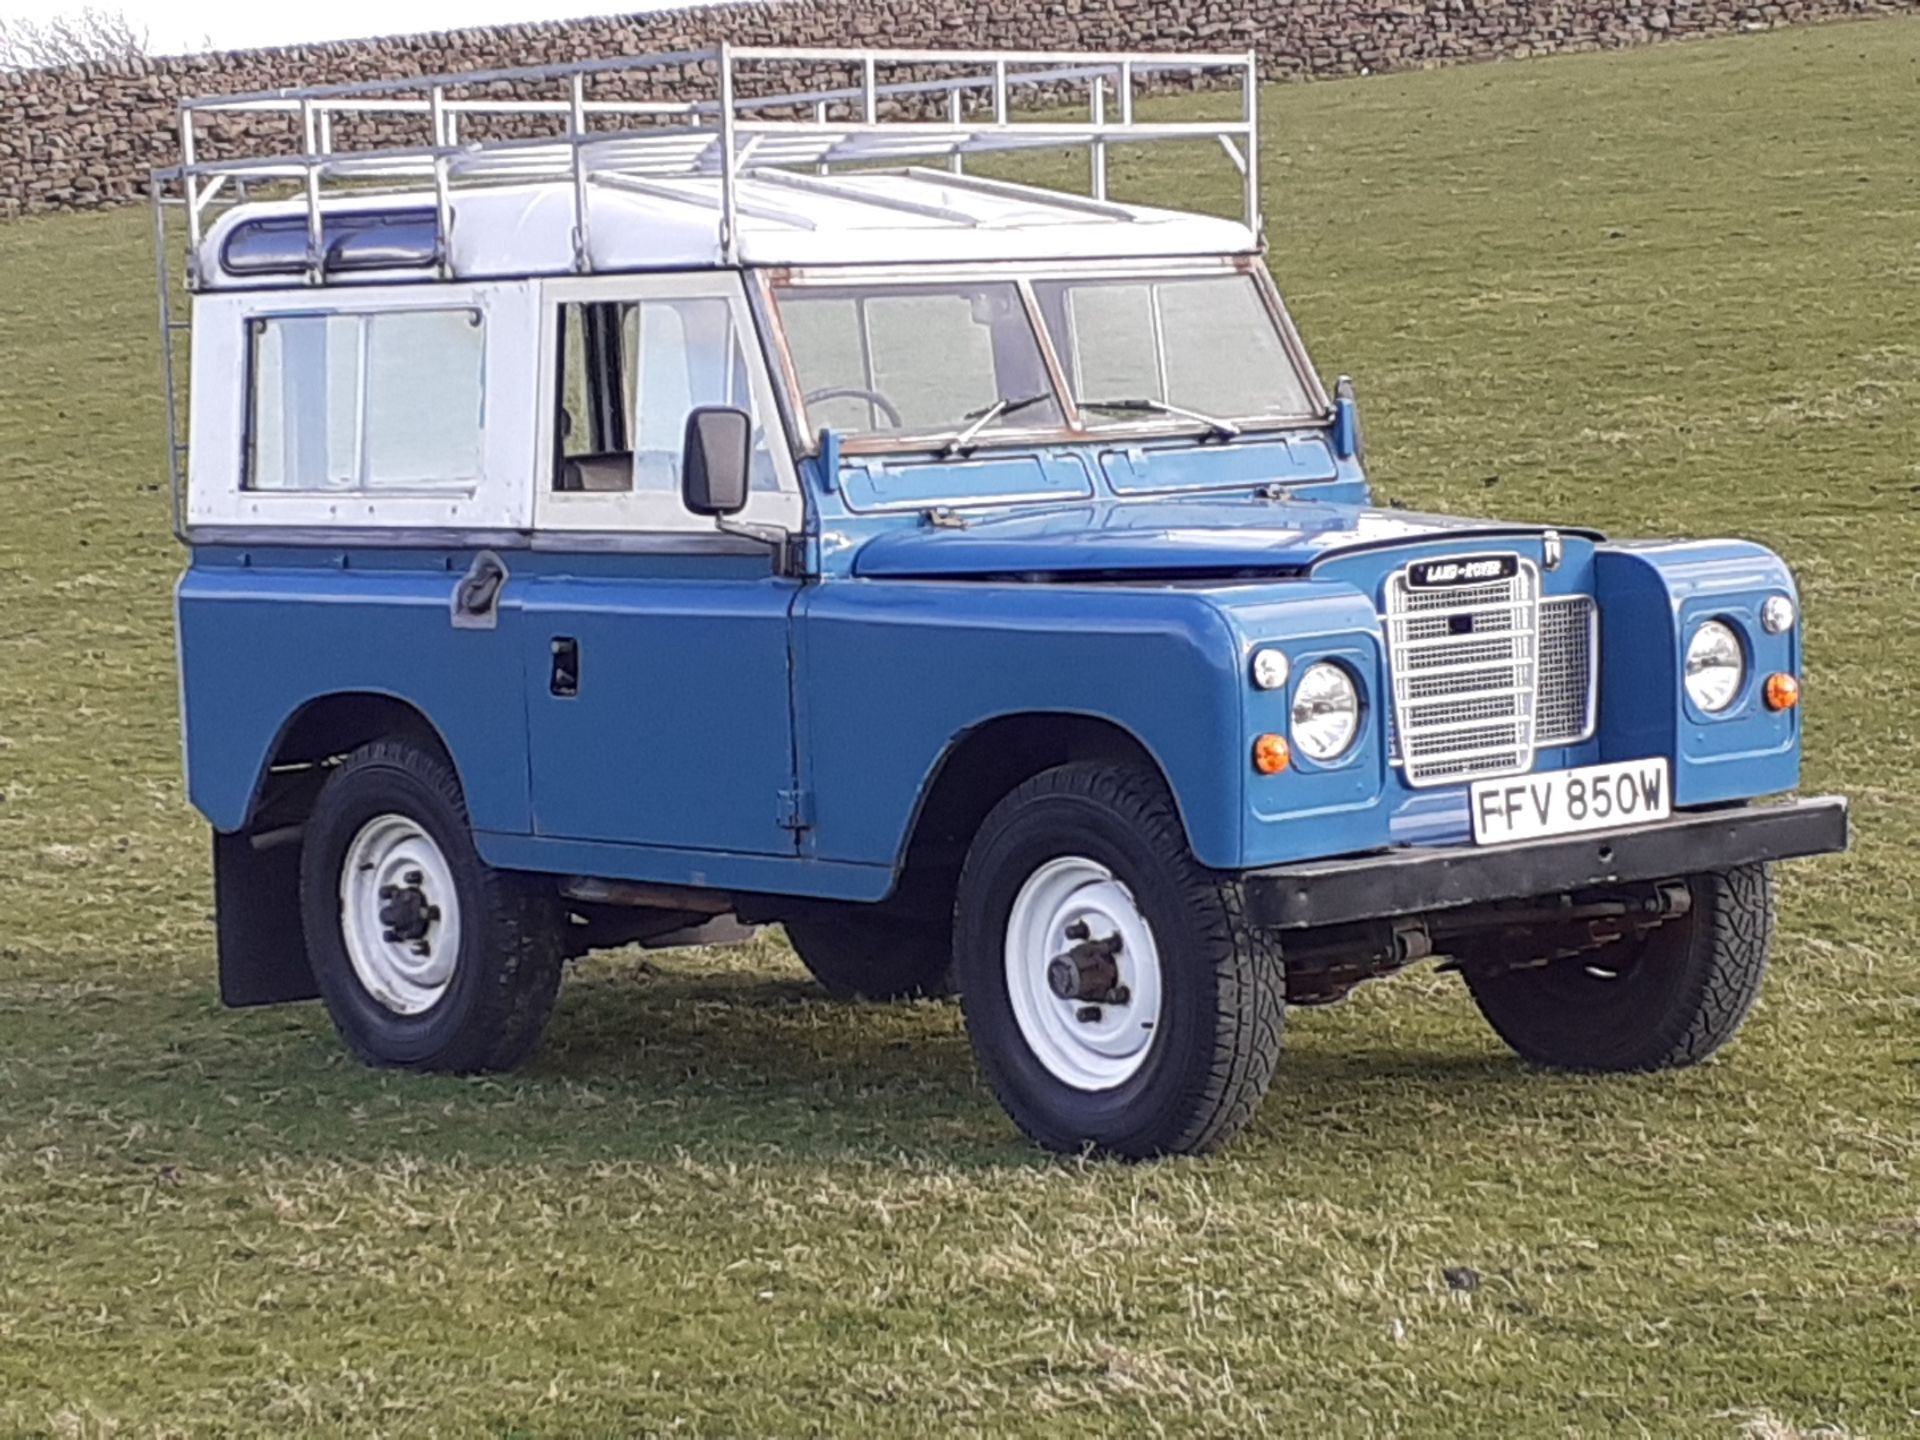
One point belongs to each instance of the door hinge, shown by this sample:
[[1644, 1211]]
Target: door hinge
[[796, 810]]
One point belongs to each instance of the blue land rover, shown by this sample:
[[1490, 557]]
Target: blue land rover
[[640, 500]]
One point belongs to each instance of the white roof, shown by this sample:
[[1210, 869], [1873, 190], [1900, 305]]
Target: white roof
[[784, 218]]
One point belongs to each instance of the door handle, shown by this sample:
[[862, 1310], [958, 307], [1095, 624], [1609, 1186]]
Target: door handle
[[564, 680]]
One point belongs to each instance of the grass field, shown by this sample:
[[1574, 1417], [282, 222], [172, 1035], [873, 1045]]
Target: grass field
[[1675, 291]]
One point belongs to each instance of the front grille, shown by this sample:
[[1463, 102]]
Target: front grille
[[1485, 674], [1569, 651], [1465, 664]]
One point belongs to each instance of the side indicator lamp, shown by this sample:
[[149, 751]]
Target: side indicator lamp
[[1271, 755], [1783, 691]]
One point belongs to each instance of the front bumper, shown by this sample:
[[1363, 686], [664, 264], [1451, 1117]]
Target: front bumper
[[1415, 879]]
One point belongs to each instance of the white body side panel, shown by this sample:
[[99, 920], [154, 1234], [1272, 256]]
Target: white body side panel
[[500, 500]]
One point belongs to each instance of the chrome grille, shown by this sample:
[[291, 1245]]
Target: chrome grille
[[1465, 662], [1470, 703], [1569, 655]]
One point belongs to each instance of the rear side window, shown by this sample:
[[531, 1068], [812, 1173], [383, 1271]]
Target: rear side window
[[374, 402]]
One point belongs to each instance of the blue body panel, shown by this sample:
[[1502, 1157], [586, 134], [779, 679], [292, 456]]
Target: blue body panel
[[744, 731], [1652, 597], [263, 634], [892, 674], [681, 733]]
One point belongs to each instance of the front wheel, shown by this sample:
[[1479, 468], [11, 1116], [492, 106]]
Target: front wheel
[[1115, 997], [1668, 1000], [427, 958]]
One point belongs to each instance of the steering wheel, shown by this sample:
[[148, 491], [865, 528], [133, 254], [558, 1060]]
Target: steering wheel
[[855, 392]]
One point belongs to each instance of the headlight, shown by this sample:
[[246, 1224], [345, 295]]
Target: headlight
[[1716, 666], [1326, 711]]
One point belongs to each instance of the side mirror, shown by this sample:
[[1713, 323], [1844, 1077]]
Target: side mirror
[[717, 461]]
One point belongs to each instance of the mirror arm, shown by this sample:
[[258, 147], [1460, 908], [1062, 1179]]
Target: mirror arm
[[751, 530]]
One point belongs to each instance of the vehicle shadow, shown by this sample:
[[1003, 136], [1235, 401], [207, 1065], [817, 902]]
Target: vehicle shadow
[[743, 1053], [649, 1061]]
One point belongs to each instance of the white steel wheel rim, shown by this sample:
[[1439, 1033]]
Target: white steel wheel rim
[[399, 914], [1078, 1048]]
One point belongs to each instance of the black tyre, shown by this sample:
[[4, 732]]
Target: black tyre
[[1670, 999], [875, 957], [1168, 1032], [427, 958]]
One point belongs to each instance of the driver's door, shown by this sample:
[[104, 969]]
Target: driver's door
[[657, 667]]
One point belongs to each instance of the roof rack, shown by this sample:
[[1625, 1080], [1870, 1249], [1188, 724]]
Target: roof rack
[[752, 109]]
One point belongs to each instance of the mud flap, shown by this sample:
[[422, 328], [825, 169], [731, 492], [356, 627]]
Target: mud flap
[[263, 953]]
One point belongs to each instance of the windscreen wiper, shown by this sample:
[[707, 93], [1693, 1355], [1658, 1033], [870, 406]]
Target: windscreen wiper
[[986, 415], [1225, 429]]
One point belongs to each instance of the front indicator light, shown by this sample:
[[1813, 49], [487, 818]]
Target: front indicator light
[[1777, 615], [1783, 691], [1271, 755]]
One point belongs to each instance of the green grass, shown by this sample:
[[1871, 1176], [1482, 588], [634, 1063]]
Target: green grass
[[1675, 291]]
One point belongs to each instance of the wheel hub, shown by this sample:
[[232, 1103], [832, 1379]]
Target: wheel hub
[[407, 913], [1090, 970], [399, 914], [1083, 973]]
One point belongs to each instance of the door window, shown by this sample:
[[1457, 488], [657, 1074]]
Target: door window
[[631, 372]]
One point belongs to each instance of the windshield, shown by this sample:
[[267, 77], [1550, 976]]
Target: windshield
[[1176, 350], [950, 361]]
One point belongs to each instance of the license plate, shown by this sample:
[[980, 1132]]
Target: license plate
[[1565, 802]]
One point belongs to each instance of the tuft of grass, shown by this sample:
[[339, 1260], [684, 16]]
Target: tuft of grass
[[1669, 292]]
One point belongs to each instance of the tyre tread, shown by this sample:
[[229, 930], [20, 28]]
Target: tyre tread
[[1724, 964], [522, 923], [1250, 986]]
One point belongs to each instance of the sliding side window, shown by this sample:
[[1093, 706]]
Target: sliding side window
[[630, 373], [390, 402]]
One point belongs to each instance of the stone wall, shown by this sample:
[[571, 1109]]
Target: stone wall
[[84, 137]]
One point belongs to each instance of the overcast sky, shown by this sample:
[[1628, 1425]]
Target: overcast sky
[[178, 25]]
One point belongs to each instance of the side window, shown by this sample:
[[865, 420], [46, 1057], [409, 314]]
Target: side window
[[595, 417], [630, 373], [366, 402]]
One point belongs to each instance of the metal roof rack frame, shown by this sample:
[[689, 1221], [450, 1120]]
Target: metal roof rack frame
[[955, 104]]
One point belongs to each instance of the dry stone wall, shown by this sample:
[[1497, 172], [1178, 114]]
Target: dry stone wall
[[85, 137]]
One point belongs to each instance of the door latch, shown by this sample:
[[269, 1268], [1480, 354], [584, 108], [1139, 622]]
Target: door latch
[[476, 599], [565, 678]]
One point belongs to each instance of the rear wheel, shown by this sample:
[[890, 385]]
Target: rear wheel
[[1670, 999], [427, 958], [1115, 997], [875, 957]]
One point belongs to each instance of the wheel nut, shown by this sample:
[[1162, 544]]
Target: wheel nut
[[1078, 931], [420, 947], [392, 937], [433, 913], [413, 877], [1087, 1014], [1119, 995], [387, 892]]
